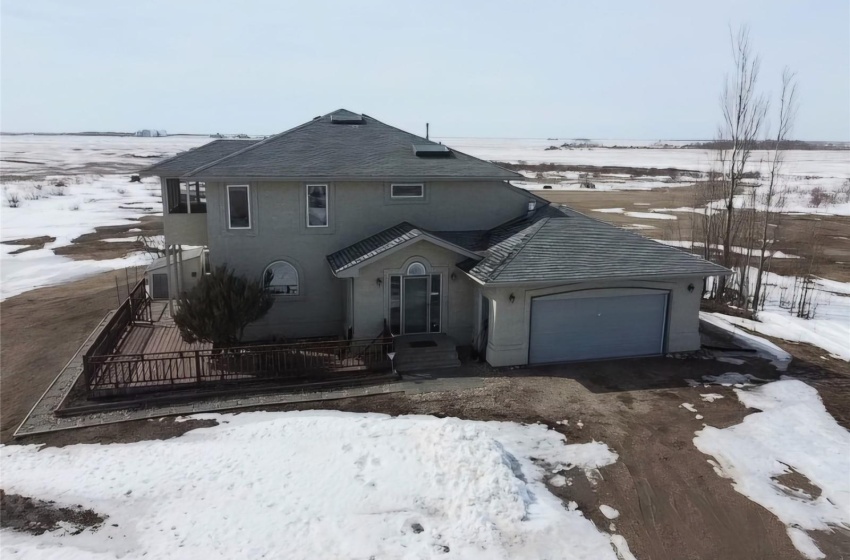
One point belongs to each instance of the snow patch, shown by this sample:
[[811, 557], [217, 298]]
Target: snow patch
[[651, 215], [804, 544], [766, 349], [732, 378], [609, 512], [622, 547], [710, 397], [792, 431], [317, 484]]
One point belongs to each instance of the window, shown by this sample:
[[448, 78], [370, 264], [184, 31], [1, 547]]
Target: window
[[281, 278], [416, 269], [196, 191], [317, 205], [206, 262], [411, 190], [434, 303], [175, 201], [395, 304], [186, 197], [238, 207]]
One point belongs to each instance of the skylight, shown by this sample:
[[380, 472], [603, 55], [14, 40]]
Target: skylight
[[431, 150], [350, 118]]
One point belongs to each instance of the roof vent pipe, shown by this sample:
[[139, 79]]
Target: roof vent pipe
[[531, 205], [427, 127]]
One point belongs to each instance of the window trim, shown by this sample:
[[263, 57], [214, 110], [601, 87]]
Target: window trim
[[248, 194], [206, 263], [421, 194], [297, 279], [327, 204]]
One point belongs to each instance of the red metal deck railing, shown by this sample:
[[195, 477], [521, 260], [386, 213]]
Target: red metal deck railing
[[110, 370]]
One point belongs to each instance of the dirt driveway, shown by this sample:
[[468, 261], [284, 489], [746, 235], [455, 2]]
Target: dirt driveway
[[39, 332], [672, 504]]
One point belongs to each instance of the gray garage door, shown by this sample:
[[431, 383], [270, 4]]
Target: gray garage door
[[595, 325]]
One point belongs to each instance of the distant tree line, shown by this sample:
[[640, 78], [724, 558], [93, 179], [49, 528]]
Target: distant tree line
[[771, 144]]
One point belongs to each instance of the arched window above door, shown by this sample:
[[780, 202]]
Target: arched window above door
[[416, 269]]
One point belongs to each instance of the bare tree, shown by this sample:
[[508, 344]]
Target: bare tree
[[744, 111], [773, 199], [154, 245]]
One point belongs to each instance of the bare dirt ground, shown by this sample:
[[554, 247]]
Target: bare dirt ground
[[39, 332], [833, 232], [671, 503], [36, 516]]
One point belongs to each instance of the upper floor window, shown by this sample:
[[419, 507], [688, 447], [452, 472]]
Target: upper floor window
[[186, 197], [407, 190], [238, 207], [317, 205], [281, 278]]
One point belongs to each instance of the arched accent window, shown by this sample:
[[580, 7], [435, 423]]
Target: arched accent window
[[281, 278], [416, 269]]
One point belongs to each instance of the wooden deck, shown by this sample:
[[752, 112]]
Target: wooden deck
[[161, 336], [140, 350]]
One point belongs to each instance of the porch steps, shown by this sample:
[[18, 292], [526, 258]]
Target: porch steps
[[425, 352]]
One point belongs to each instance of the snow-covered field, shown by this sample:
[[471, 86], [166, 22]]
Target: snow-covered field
[[793, 432], [71, 185], [317, 484], [829, 325], [822, 163], [38, 156], [803, 170]]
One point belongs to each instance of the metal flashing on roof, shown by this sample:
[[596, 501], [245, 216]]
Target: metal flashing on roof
[[431, 150], [346, 118]]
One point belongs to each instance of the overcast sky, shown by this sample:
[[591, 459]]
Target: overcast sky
[[631, 70]]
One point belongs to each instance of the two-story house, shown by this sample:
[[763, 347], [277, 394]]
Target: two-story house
[[355, 226]]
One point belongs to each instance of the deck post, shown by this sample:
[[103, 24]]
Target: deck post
[[198, 367], [170, 277], [179, 270]]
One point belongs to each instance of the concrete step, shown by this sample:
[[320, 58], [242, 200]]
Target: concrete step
[[431, 356], [427, 351], [425, 366], [416, 361]]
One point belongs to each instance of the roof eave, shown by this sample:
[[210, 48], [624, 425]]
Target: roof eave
[[577, 280], [330, 178], [353, 270]]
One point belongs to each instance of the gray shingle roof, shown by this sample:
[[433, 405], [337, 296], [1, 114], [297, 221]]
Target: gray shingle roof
[[559, 244], [553, 244], [322, 149], [184, 162], [376, 244]]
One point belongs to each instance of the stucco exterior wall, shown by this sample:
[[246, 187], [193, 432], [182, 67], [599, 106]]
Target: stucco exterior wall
[[357, 210], [182, 229], [507, 343], [371, 301]]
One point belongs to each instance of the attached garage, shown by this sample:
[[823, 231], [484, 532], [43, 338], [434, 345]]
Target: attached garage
[[597, 324]]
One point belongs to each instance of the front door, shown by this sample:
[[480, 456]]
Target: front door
[[415, 304]]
